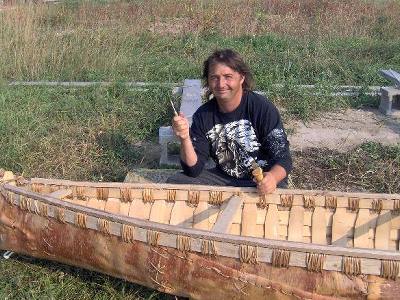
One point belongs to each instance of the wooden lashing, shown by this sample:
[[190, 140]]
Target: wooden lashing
[[153, 237], [351, 266], [309, 202], [81, 220], [53, 188], [215, 198], [396, 207], [125, 195], [127, 233], [102, 193], [331, 202], [280, 258], [103, 226], [41, 209], [78, 192], [315, 262], [354, 203], [390, 269], [25, 203], [262, 202], [286, 200], [208, 248], [60, 214], [147, 196], [377, 205], [193, 198], [183, 243], [248, 254], [171, 195], [36, 188]]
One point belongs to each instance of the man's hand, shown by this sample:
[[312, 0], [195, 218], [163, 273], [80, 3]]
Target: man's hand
[[180, 124], [271, 179], [268, 184]]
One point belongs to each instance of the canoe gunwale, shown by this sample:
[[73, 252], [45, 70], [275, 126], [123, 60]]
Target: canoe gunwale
[[211, 188], [202, 234]]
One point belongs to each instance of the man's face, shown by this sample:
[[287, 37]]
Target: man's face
[[224, 82]]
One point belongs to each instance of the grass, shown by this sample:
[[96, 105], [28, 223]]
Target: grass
[[99, 133], [341, 42], [79, 133], [26, 278]]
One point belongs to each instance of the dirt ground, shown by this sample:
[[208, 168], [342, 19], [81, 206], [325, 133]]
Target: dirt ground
[[342, 131]]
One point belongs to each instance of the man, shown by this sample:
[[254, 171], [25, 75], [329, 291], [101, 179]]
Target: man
[[236, 127]]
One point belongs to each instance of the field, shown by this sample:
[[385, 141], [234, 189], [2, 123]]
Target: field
[[93, 133]]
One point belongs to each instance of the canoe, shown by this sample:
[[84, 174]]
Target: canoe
[[207, 242]]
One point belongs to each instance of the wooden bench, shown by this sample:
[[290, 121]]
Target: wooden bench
[[191, 101]]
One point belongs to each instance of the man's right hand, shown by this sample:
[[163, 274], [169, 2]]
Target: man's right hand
[[180, 124]]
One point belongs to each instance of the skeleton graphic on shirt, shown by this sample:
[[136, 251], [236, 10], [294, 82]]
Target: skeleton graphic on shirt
[[232, 144]]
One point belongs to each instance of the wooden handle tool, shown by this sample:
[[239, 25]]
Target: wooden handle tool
[[173, 107], [257, 172]]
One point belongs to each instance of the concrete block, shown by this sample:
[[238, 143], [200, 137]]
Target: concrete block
[[191, 101], [390, 100]]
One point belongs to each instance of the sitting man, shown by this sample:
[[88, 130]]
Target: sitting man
[[236, 127]]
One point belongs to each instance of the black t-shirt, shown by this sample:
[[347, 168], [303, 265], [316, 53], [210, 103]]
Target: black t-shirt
[[253, 131]]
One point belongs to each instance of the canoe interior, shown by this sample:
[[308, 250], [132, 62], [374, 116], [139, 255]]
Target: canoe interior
[[342, 219]]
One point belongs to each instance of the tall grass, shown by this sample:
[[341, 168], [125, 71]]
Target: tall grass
[[296, 41]]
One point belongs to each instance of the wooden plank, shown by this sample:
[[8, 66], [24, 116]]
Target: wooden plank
[[342, 226], [113, 205], [200, 216], [182, 214], [124, 208], [249, 219], [96, 203], [318, 227], [158, 212], [382, 233], [60, 194], [228, 212], [139, 209], [296, 223], [271, 222], [364, 222]]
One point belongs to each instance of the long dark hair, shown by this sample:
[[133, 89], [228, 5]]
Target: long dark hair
[[231, 59]]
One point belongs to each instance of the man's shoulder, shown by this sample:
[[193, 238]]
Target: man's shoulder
[[259, 100], [208, 107]]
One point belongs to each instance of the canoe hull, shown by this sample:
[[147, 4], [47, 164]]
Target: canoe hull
[[172, 271]]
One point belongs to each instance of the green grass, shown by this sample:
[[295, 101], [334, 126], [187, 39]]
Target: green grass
[[92, 133], [26, 278]]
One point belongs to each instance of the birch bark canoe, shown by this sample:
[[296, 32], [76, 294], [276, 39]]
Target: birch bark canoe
[[162, 236]]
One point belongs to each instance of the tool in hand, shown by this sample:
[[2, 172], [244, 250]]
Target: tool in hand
[[173, 107], [256, 171]]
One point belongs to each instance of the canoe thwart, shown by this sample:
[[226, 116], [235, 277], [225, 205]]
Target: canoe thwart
[[225, 218]]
